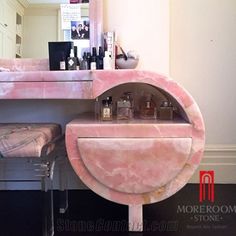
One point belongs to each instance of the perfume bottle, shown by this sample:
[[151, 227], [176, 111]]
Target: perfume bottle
[[125, 107], [106, 109], [84, 63], [88, 58], [107, 62], [148, 109], [71, 60], [62, 62], [93, 63], [166, 111], [100, 58], [77, 59]]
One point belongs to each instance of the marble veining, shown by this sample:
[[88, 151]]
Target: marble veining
[[134, 163]]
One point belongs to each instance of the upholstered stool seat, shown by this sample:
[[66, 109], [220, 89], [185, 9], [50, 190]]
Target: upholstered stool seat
[[27, 140], [37, 142]]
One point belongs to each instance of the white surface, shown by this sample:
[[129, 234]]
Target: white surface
[[40, 27], [203, 57], [143, 27]]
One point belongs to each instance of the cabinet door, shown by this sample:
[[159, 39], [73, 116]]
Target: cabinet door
[[9, 45], [1, 12], [9, 15]]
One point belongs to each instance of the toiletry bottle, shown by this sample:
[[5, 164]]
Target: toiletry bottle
[[100, 58], [93, 63], [107, 61], [62, 62], [88, 59], [125, 107], [71, 60], [166, 111], [148, 107], [106, 109], [77, 59], [84, 63]]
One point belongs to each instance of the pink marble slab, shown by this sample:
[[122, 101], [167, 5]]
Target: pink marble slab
[[83, 129], [134, 165], [137, 128], [25, 64], [31, 79], [46, 90]]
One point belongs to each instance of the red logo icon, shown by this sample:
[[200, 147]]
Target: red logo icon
[[206, 186]]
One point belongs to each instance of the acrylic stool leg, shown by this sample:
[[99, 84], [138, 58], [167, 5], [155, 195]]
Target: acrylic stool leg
[[136, 218], [63, 187]]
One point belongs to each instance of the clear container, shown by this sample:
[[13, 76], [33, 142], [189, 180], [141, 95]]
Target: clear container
[[166, 111], [125, 107], [106, 109], [148, 109]]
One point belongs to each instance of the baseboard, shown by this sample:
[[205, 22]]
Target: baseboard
[[221, 159]]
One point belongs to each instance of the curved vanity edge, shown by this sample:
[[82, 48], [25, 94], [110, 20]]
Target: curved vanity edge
[[73, 131], [103, 81]]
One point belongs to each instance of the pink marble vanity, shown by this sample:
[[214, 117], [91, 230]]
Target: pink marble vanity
[[133, 162]]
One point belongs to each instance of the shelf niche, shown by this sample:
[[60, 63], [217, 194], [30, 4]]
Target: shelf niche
[[138, 90]]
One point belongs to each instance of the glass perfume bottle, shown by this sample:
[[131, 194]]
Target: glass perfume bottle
[[106, 109], [84, 63], [148, 109], [71, 60], [166, 111], [125, 107]]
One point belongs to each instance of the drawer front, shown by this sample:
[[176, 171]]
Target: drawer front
[[134, 165]]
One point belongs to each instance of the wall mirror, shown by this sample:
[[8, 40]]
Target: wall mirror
[[41, 23]]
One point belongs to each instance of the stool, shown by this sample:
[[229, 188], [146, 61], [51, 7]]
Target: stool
[[35, 142]]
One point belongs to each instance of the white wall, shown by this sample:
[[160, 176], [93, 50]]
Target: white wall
[[203, 60], [142, 26], [40, 27]]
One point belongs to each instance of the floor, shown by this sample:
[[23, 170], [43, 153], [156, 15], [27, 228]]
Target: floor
[[89, 214]]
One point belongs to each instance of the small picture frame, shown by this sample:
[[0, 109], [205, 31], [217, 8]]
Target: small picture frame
[[80, 30]]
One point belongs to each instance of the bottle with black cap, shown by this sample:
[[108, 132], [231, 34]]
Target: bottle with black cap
[[93, 63], [71, 60], [88, 58], [100, 58], [84, 63], [77, 59]]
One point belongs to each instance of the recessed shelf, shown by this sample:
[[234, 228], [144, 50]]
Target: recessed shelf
[[138, 91]]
